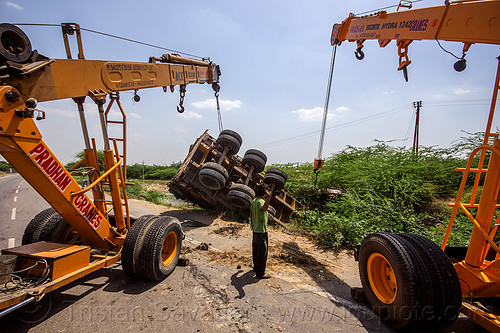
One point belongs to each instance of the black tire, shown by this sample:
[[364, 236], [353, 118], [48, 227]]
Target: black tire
[[383, 258], [34, 227], [239, 199], [274, 179], [230, 142], [258, 153], [14, 44], [211, 179], [255, 158], [277, 172], [233, 134], [217, 167], [271, 211], [243, 188], [444, 282], [161, 248], [133, 243], [57, 230]]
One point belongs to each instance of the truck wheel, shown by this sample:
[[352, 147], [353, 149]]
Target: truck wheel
[[212, 178], [243, 188], [230, 140], [277, 171], [161, 248], [444, 282], [133, 243], [388, 275], [255, 158], [240, 195], [271, 211], [14, 44], [233, 134], [34, 227], [275, 177]]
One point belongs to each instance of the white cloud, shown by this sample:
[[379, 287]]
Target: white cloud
[[460, 91], [190, 115], [134, 115], [316, 114], [389, 92], [341, 109], [313, 114], [179, 130], [13, 5], [210, 103]]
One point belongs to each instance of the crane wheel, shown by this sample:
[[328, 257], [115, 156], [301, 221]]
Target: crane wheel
[[57, 230], [49, 226], [240, 195], [133, 243], [394, 279], [34, 227], [15, 46], [213, 176], [445, 285], [161, 248], [255, 158]]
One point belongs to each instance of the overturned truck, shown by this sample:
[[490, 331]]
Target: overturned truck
[[213, 174]]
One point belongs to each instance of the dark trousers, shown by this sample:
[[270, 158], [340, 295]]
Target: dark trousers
[[259, 252]]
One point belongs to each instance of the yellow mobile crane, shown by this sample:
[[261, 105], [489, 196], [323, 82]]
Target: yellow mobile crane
[[79, 235], [407, 279]]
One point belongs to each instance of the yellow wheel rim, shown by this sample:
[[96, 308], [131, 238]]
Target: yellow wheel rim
[[169, 248], [381, 277]]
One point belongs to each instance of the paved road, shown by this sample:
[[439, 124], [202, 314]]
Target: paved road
[[19, 203], [212, 294]]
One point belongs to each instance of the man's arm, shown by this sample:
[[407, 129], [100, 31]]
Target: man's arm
[[266, 203]]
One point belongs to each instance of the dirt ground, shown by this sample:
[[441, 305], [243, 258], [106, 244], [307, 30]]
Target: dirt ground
[[295, 263], [216, 292], [229, 243]]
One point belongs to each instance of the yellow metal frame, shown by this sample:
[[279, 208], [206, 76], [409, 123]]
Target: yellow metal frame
[[22, 146], [480, 277], [468, 22]]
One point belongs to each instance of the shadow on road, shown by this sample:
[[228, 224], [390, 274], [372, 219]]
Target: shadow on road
[[191, 218], [111, 279], [337, 290], [240, 281]]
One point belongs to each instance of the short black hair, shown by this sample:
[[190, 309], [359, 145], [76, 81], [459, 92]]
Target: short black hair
[[261, 189]]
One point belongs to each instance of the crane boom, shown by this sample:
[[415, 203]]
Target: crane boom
[[467, 22], [461, 21]]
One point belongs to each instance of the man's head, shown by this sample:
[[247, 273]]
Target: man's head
[[262, 189]]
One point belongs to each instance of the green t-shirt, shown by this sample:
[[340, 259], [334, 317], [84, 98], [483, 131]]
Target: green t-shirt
[[259, 217]]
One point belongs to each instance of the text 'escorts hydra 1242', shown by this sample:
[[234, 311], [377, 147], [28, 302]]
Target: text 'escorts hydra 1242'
[[84, 230], [407, 279]]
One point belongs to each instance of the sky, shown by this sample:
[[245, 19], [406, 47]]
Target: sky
[[274, 58]]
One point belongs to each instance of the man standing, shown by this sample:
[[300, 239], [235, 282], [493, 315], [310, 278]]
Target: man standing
[[258, 218]]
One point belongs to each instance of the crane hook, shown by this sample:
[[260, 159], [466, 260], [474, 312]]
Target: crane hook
[[360, 55], [182, 92]]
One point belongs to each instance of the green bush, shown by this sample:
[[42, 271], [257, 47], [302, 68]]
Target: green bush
[[380, 188], [4, 166], [163, 172]]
